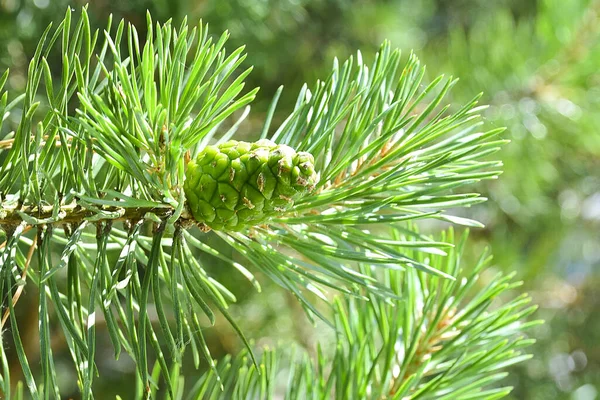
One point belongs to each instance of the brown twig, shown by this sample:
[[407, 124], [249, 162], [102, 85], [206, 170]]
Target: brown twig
[[8, 143], [426, 348], [17, 294], [74, 214]]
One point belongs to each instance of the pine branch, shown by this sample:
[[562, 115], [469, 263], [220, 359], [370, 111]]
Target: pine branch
[[385, 150], [443, 339], [75, 214]]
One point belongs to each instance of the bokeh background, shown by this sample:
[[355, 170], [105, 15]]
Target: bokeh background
[[537, 63]]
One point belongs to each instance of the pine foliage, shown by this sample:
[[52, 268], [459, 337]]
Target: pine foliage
[[441, 339], [96, 169]]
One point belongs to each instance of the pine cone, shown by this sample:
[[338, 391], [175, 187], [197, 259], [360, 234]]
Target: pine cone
[[238, 184]]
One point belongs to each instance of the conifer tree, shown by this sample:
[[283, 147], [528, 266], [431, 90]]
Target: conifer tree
[[130, 165]]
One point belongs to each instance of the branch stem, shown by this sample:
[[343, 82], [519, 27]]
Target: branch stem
[[75, 214]]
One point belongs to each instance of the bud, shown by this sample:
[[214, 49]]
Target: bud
[[238, 184]]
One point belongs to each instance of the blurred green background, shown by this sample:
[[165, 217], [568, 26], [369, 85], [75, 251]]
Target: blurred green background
[[537, 63]]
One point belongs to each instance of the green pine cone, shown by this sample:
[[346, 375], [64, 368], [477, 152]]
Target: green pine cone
[[238, 184]]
